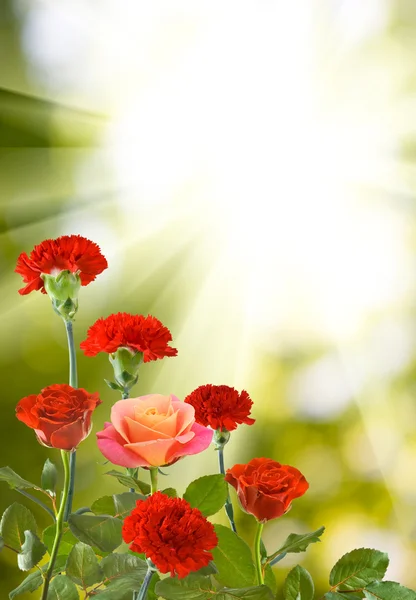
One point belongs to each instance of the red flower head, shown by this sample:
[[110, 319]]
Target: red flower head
[[176, 537], [135, 332], [266, 488], [60, 415], [220, 406], [72, 253]]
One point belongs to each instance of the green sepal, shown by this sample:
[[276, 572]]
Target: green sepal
[[298, 585], [130, 482], [15, 521], [232, 558], [31, 552], [208, 494], [62, 588], [357, 569], [63, 291], [49, 477], [33, 581], [97, 530], [114, 386], [126, 363]]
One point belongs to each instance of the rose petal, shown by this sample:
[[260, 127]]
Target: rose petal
[[154, 453], [69, 436], [111, 444], [200, 441], [138, 431]]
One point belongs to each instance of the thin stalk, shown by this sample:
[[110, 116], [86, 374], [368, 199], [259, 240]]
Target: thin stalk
[[34, 499], [142, 593], [277, 558], [228, 504], [124, 396], [153, 479], [257, 553], [73, 382], [59, 524]]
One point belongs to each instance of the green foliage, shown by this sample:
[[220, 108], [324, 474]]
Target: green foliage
[[298, 543], [1, 544], [62, 588], [298, 585], [356, 569], [195, 587], [14, 480], [82, 566], [207, 493], [68, 540], [49, 477], [97, 530], [130, 482], [15, 521], [31, 553], [270, 579], [118, 505], [35, 580], [171, 492], [388, 590], [233, 559], [116, 565]]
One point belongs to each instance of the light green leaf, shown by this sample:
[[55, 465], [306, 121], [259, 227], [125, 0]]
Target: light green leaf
[[298, 585], [31, 553], [117, 565], [358, 568], [68, 540], [124, 503], [1, 544], [118, 588], [62, 588], [193, 587], [130, 482], [104, 506], [338, 596], [35, 580], [15, 521], [270, 579], [207, 493], [298, 542], [388, 590], [97, 530], [82, 566], [14, 480], [49, 477], [258, 592], [233, 559], [171, 492]]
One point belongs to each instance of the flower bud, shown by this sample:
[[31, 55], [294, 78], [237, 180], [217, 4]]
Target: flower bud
[[126, 363], [221, 437], [63, 290]]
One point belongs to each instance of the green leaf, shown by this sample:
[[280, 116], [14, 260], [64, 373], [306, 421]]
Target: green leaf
[[388, 590], [14, 480], [1, 544], [258, 592], [270, 579], [35, 580], [49, 477], [15, 521], [104, 506], [195, 587], [113, 386], [118, 505], [298, 585], [298, 542], [68, 540], [358, 568], [232, 557], [97, 530], [31, 553], [62, 588], [171, 492], [120, 587], [82, 566], [207, 493], [117, 565], [338, 596], [130, 482]]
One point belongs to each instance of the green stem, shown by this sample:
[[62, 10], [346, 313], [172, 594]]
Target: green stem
[[73, 382], [34, 499], [59, 524], [228, 504], [153, 479], [257, 553], [142, 594]]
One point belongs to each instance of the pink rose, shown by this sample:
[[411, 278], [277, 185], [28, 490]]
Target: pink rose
[[151, 431]]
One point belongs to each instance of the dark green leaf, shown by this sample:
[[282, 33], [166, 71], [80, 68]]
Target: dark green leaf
[[130, 482], [1, 544], [171, 492], [15, 521], [338, 596], [49, 477], [31, 553], [35, 580], [118, 588], [68, 540], [97, 530], [193, 587], [124, 503], [82, 566], [14, 480], [232, 557], [62, 588], [117, 565], [298, 542], [358, 568], [258, 592], [207, 493], [298, 585], [104, 506], [388, 590]]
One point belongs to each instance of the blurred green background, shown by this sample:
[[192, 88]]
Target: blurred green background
[[248, 171]]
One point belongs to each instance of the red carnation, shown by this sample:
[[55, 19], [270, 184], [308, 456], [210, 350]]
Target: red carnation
[[136, 332], [220, 406], [175, 536], [72, 253]]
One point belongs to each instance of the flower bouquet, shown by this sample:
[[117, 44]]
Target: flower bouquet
[[146, 542]]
